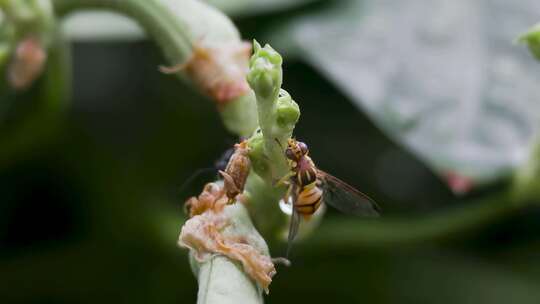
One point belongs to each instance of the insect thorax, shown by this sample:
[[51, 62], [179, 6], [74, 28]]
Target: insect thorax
[[306, 172]]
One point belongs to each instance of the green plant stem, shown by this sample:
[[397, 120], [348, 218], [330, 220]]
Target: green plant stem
[[177, 46], [176, 26], [212, 285], [278, 114], [443, 225], [171, 35], [222, 280], [174, 31]]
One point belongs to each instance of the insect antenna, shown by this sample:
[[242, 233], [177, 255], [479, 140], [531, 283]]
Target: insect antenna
[[193, 177]]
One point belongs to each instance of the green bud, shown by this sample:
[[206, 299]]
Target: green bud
[[288, 111], [265, 75], [259, 161]]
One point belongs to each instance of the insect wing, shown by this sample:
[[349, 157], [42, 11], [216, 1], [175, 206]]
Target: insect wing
[[293, 230], [295, 220], [346, 198]]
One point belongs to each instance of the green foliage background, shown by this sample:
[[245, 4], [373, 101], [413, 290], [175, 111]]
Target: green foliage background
[[90, 205]]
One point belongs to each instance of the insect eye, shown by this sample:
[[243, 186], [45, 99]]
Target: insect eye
[[303, 147], [290, 154]]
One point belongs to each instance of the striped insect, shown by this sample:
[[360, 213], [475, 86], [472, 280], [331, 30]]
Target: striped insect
[[309, 187]]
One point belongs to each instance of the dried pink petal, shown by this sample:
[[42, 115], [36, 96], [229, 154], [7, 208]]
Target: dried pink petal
[[258, 266], [201, 235], [459, 184], [27, 63], [220, 71], [204, 234], [212, 197]]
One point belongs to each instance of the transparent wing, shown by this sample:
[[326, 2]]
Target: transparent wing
[[295, 221], [346, 198], [293, 230]]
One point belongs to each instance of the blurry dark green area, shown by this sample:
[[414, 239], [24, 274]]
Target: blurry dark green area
[[91, 209]]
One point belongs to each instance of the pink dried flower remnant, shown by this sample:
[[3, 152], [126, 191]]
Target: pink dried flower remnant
[[220, 71], [458, 183], [210, 199], [205, 234], [27, 63]]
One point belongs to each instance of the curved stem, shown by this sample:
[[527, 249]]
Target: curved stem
[[170, 34], [277, 115], [440, 226], [176, 27]]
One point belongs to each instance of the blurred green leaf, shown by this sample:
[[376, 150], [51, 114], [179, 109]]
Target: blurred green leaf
[[532, 38], [443, 79]]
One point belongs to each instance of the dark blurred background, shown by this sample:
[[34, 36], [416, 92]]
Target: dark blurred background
[[91, 211]]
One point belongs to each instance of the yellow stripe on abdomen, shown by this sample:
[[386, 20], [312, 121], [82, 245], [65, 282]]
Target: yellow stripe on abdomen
[[309, 199]]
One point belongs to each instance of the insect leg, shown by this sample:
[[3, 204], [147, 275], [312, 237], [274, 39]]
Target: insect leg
[[284, 181], [229, 184], [279, 143], [287, 195]]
